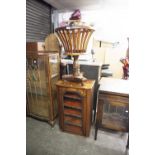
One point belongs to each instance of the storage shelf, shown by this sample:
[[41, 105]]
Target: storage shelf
[[72, 112], [72, 105], [75, 104], [73, 115], [73, 121], [72, 97], [69, 123], [73, 129]]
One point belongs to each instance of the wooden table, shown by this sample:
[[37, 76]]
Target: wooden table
[[113, 105]]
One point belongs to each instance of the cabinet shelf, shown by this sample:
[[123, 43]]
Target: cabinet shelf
[[73, 115], [72, 97], [73, 121], [73, 105], [72, 112], [69, 123]]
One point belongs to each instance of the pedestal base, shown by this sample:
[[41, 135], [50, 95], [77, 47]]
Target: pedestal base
[[71, 78]]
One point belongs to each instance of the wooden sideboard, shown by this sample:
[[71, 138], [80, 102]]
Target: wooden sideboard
[[75, 106], [113, 105], [42, 73]]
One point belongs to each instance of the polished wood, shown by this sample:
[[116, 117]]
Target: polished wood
[[113, 93], [42, 73], [35, 46], [52, 43], [75, 40], [91, 70], [75, 106]]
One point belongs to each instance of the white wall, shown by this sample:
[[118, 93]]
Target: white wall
[[111, 25], [110, 21]]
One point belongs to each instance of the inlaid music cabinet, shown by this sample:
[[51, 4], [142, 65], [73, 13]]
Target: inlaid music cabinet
[[75, 106]]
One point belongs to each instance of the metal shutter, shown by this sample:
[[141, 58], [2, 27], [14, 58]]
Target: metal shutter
[[38, 20]]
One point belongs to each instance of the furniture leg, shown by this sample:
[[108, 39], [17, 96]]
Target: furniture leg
[[127, 146], [96, 130]]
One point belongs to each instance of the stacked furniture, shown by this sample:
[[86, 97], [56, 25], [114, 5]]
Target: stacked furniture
[[91, 70], [75, 92]]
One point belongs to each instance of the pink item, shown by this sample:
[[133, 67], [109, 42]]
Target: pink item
[[76, 15]]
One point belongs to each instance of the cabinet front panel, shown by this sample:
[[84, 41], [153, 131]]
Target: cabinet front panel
[[38, 105], [115, 112], [75, 107], [73, 114]]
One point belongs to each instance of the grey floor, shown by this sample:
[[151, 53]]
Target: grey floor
[[41, 139]]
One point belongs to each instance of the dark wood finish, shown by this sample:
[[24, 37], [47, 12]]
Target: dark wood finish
[[42, 73], [35, 46], [75, 106], [110, 95]]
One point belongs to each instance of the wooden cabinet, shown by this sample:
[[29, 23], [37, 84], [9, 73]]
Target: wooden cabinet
[[113, 105], [42, 73], [75, 106]]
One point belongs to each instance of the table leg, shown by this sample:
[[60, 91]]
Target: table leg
[[96, 130], [127, 146]]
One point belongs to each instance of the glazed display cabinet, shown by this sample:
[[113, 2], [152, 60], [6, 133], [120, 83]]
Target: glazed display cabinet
[[113, 106], [42, 73]]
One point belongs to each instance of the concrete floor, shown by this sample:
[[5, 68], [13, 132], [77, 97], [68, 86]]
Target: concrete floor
[[41, 139]]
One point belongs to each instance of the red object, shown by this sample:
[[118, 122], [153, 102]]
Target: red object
[[76, 15], [125, 68]]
